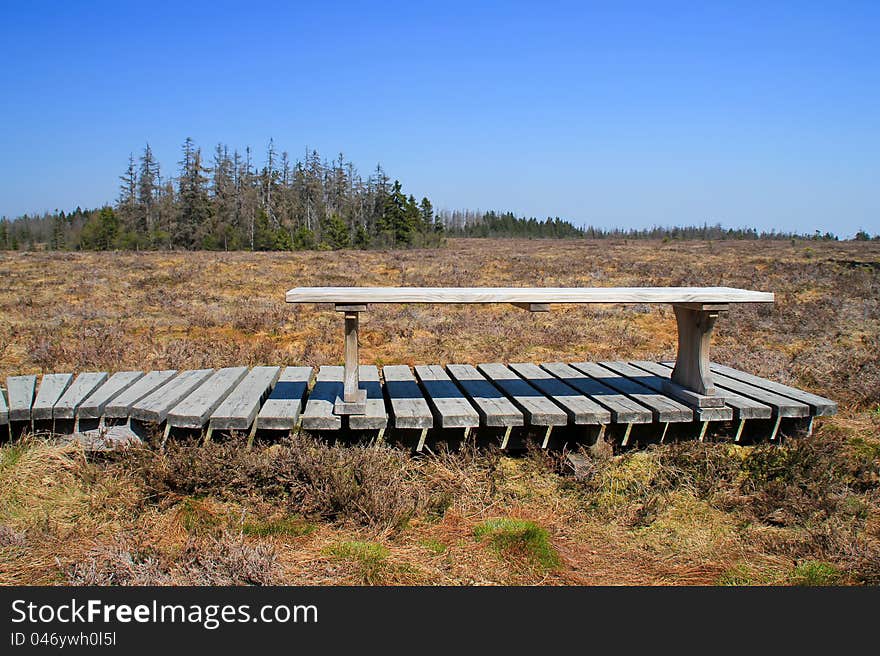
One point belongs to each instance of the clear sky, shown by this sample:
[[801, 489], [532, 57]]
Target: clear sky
[[761, 114]]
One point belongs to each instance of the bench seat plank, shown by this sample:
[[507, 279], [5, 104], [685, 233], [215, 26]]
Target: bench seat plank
[[622, 408], [20, 394], [196, 408], [408, 404], [375, 416], [282, 409], [52, 386], [93, 406], [155, 406], [318, 414], [84, 384], [120, 406], [580, 409], [664, 409], [451, 406], [743, 407], [493, 406], [819, 405], [239, 410], [540, 410], [654, 381]]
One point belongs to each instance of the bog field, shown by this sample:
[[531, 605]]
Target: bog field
[[305, 510]]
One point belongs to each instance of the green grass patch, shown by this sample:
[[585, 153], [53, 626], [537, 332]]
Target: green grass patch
[[197, 519], [10, 455], [434, 546], [815, 572], [293, 527], [519, 538], [370, 558]]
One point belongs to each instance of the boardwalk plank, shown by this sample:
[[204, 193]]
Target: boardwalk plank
[[743, 407], [654, 381], [623, 409], [819, 405], [240, 408], [20, 393], [4, 409], [52, 386], [120, 406], [84, 384], [408, 404], [451, 406], [493, 406], [318, 414], [540, 410], [664, 409], [282, 409], [155, 406], [375, 416], [196, 408], [93, 406], [580, 409]]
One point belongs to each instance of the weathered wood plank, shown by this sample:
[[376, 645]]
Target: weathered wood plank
[[240, 408], [196, 408], [282, 409], [819, 405], [408, 404], [4, 409], [450, 405], [664, 409], [120, 406], [580, 409], [20, 391], [155, 406], [368, 295], [655, 382], [375, 416], [493, 406], [540, 410], [84, 384], [623, 409], [52, 386], [318, 414], [93, 406], [743, 407]]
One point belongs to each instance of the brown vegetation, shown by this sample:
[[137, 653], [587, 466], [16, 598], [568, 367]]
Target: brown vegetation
[[302, 511]]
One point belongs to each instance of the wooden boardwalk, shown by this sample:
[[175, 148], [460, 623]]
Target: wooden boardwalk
[[622, 401]]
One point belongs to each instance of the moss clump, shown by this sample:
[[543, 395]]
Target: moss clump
[[434, 546], [815, 572], [292, 527], [519, 538]]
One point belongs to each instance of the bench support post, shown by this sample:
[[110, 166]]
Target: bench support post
[[691, 378], [354, 399]]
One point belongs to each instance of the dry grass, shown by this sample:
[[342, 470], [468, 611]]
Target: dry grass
[[303, 512]]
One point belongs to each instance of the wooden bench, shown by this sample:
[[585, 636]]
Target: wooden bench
[[696, 309]]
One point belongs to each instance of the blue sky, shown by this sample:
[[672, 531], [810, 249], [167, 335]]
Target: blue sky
[[616, 114]]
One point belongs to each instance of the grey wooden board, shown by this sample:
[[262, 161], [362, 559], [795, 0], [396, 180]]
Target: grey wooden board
[[155, 406], [580, 409], [20, 394], [282, 409], [492, 404], [451, 407], [375, 416], [240, 408], [655, 382], [4, 409], [408, 404], [743, 407], [194, 410], [782, 405], [318, 414], [93, 406], [52, 386], [819, 405], [120, 406], [84, 384], [664, 409], [540, 410], [623, 409]]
